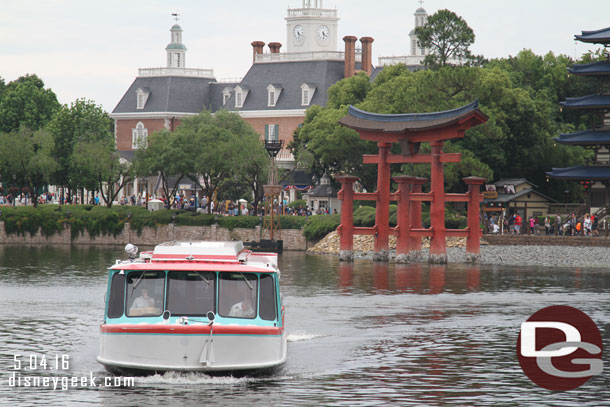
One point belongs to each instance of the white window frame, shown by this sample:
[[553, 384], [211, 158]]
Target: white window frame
[[226, 95], [139, 136], [240, 96], [307, 93], [141, 98], [273, 94]]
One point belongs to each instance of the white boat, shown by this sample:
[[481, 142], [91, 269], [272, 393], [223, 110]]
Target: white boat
[[193, 306]]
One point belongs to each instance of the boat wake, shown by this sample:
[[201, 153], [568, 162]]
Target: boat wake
[[190, 378], [302, 336]]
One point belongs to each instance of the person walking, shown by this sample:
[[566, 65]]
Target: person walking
[[518, 222]]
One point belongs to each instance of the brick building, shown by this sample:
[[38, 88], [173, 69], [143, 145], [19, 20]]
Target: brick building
[[272, 96]]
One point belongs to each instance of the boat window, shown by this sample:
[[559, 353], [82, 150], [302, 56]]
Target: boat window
[[145, 293], [238, 293], [191, 292], [116, 301], [267, 302]]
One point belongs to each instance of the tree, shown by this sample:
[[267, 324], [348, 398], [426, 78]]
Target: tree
[[220, 147], [447, 36], [82, 121], [25, 156], [165, 157], [253, 170], [100, 168], [25, 102], [349, 91]]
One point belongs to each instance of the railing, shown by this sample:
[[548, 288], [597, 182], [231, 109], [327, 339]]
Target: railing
[[303, 56], [405, 59], [229, 80], [285, 155], [312, 12], [194, 72]]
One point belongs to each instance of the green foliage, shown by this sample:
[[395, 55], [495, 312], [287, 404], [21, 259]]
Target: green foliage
[[349, 91], [447, 35], [83, 121], [28, 219], [292, 222], [364, 216], [234, 222], [26, 157], [102, 221], [318, 226], [25, 102]]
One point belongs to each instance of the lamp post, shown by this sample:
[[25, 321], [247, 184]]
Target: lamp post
[[567, 193]]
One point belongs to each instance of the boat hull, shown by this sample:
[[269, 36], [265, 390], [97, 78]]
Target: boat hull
[[155, 348]]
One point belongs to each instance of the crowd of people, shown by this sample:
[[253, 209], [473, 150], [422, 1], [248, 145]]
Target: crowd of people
[[514, 224]]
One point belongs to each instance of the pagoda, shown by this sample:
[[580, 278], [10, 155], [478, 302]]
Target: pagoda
[[594, 175]]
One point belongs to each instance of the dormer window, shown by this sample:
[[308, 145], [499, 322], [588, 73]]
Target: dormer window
[[142, 96], [273, 94], [241, 92], [307, 91], [226, 94], [139, 136]]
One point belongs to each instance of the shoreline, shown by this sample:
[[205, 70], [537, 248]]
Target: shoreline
[[515, 251]]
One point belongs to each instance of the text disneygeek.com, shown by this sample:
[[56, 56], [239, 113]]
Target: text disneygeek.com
[[26, 367]]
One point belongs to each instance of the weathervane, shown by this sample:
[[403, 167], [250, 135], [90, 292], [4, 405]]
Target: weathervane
[[175, 15]]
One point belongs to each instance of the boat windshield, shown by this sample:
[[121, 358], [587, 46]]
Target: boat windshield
[[191, 293], [145, 293], [238, 295]]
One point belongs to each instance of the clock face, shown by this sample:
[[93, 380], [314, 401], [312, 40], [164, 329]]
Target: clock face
[[323, 33], [298, 33]]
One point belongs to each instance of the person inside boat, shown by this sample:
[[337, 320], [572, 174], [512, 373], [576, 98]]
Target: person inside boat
[[144, 301], [244, 308]]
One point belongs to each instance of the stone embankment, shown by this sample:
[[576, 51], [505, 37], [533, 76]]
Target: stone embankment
[[551, 251], [293, 238]]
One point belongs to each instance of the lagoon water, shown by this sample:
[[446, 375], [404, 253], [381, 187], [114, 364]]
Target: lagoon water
[[366, 334]]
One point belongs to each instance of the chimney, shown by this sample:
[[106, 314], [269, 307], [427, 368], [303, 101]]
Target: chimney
[[367, 54], [274, 47], [257, 48], [350, 55]]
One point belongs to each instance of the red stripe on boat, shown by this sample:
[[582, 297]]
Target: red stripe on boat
[[191, 329]]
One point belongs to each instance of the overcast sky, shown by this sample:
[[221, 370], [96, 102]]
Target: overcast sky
[[92, 49]]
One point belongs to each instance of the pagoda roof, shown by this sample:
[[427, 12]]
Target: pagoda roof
[[586, 137], [587, 102], [410, 122], [581, 172], [594, 68], [601, 36]]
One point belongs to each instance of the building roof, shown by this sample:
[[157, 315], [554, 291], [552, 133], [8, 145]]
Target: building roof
[[167, 94], [586, 137], [581, 172], [289, 76], [601, 36], [323, 190], [513, 181], [587, 102], [297, 178], [176, 45], [594, 68], [397, 123], [511, 197]]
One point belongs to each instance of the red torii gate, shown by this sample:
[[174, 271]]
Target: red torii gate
[[410, 130]]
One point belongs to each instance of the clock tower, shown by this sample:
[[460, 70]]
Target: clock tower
[[311, 28]]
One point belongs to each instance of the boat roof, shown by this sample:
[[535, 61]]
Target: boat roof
[[201, 255]]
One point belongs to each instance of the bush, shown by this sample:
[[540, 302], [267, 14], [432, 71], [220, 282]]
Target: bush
[[234, 222], [318, 226], [298, 203], [292, 222]]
